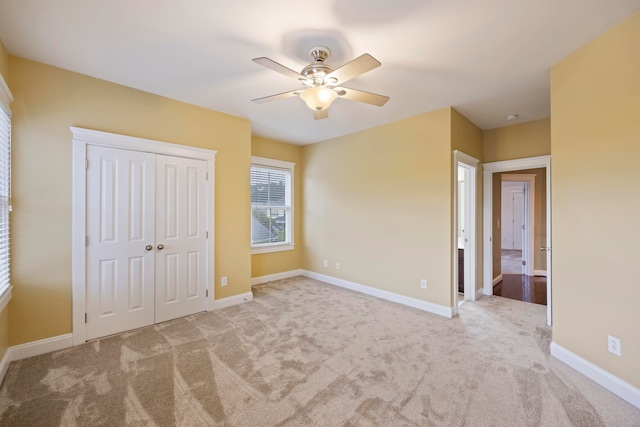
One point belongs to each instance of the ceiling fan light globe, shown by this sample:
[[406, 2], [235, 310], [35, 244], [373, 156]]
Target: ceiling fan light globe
[[318, 98]]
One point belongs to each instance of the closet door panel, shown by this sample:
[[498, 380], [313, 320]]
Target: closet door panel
[[181, 237]]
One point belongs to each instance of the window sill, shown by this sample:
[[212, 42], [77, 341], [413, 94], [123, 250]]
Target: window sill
[[269, 249], [5, 297]]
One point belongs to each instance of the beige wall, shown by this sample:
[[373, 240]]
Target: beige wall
[[277, 262], [595, 134], [378, 202], [4, 315], [47, 101], [530, 139]]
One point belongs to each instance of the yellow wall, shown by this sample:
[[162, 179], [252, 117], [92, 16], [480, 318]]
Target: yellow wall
[[277, 262], [4, 315], [467, 137], [378, 202], [47, 101], [595, 134], [530, 139]]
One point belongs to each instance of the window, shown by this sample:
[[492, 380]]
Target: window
[[5, 190], [271, 205]]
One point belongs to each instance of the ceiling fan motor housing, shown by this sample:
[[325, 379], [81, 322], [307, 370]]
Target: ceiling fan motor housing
[[317, 70]]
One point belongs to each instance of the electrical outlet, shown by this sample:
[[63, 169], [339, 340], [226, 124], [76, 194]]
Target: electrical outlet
[[614, 345], [223, 281], [326, 263], [337, 266], [423, 283]]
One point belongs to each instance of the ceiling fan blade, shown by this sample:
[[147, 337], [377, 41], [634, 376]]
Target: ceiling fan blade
[[322, 114], [362, 96], [276, 97], [353, 69], [273, 65]]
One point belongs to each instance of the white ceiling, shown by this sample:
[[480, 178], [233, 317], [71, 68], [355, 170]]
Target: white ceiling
[[486, 58]]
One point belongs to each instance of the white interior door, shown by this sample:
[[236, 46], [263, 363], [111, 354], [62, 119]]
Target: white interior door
[[507, 219], [181, 244], [518, 212], [120, 268], [146, 239]]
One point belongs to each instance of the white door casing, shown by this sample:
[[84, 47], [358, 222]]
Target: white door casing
[[469, 165], [83, 139], [180, 237], [120, 271]]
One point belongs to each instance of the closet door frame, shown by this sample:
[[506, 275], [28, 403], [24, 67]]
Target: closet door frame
[[81, 139]]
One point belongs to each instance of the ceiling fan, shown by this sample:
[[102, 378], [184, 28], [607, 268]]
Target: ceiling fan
[[322, 83]]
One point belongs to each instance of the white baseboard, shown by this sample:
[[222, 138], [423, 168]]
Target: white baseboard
[[497, 280], [479, 293], [34, 348], [379, 293], [609, 381], [540, 273], [277, 276], [233, 300]]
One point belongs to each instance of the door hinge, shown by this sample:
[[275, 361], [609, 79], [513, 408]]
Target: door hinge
[[85, 318], [86, 164], [206, 234], [207, 174], [206, 293], [524, 262]]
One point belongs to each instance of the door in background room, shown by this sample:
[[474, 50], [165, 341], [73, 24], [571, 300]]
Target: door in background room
[[512, 215]]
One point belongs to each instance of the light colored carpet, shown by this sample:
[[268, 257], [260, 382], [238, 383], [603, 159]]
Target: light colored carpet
[[304, 353], [511, 262]]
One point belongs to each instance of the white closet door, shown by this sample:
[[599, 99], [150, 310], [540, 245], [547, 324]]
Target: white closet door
[[120, 226], [181, 245]]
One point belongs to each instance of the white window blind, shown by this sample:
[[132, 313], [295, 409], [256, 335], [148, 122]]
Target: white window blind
[[271, 205], [5, 197]]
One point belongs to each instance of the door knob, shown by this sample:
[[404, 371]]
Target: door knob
[[148, 247], [160, 247], [545, 248]]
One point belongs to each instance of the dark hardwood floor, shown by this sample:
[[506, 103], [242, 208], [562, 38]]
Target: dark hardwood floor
[[523, 288]]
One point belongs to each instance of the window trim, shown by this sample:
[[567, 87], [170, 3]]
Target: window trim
[[6, 98], [284, 246]]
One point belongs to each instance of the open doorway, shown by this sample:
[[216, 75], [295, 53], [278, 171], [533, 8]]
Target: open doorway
[[536, 251], [464, 239]]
